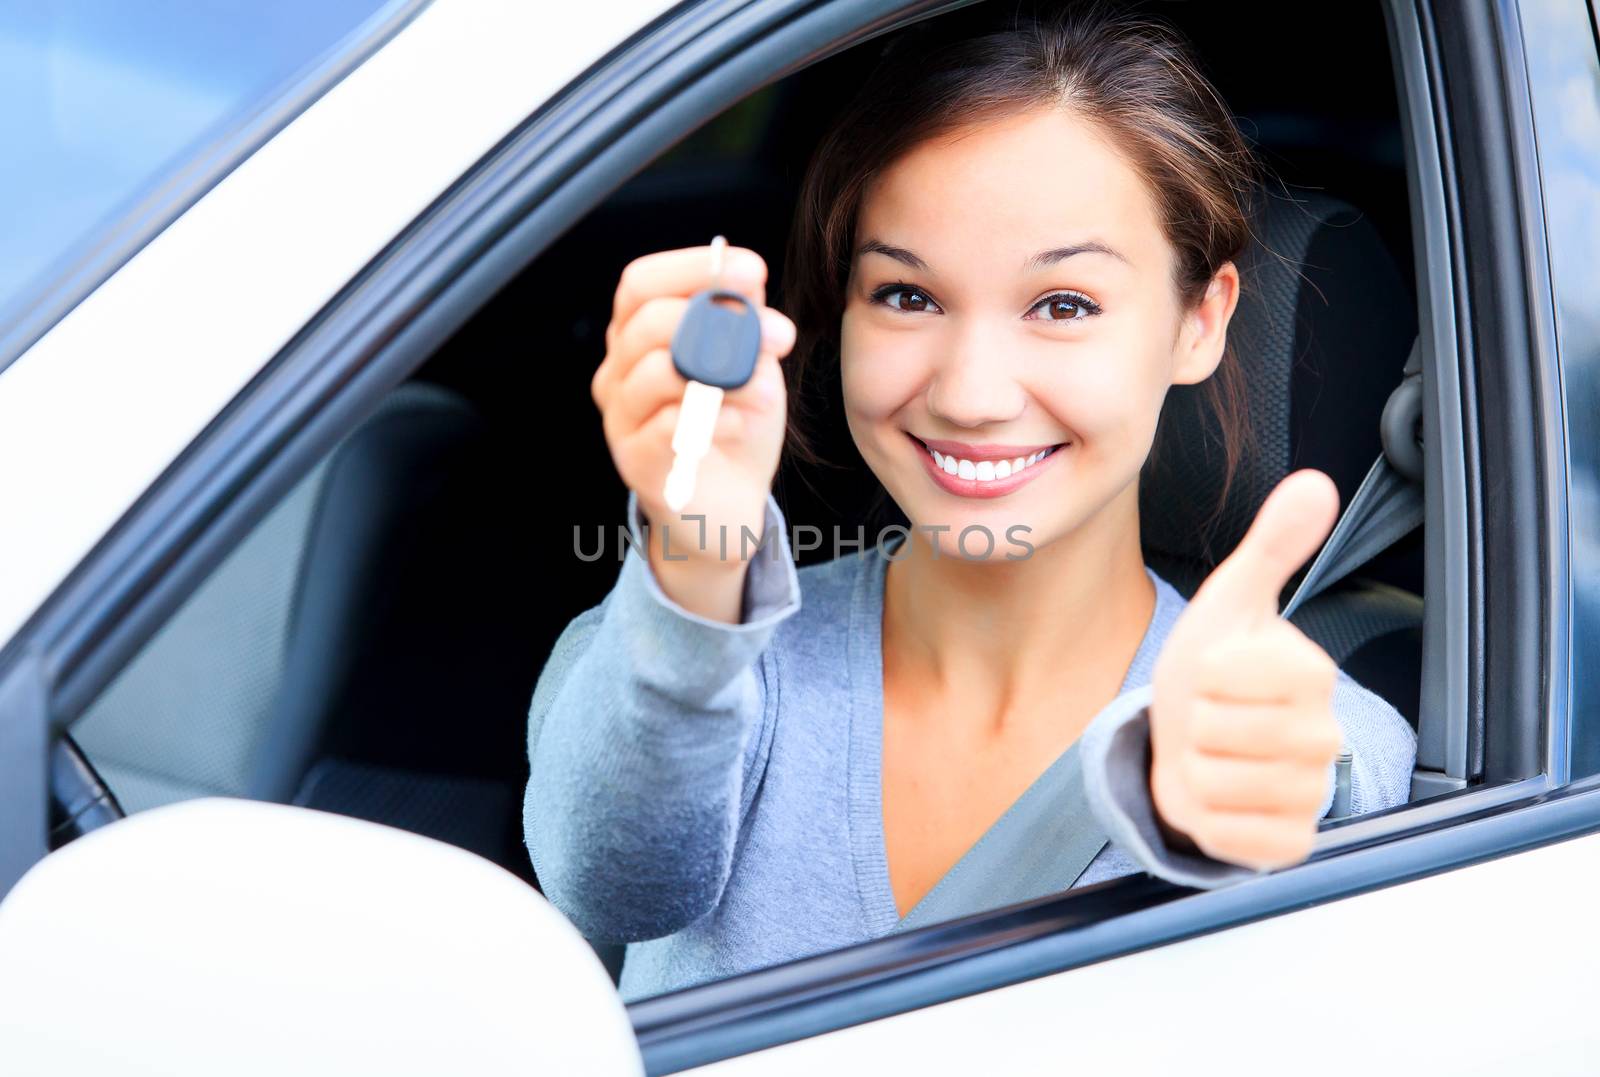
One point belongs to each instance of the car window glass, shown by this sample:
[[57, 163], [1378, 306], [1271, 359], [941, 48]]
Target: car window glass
[[105, 101]]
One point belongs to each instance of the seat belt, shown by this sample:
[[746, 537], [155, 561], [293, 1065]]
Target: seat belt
[[1388, 505]]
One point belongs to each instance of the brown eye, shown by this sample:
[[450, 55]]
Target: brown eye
[[902, 298], [1065, 307], [912, 300]]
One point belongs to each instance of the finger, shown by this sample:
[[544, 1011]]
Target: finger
[[648, 435], [650, 327], [684, 272], [654, 383], [764, 392], [659, 427], [1256, 840], [651, 383], [1292, 524], [655, 324], [1275, 663], [778, 332], [1269, 786], [1257, 731]]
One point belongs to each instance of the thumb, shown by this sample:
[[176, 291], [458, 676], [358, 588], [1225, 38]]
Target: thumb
[[1290, 526]]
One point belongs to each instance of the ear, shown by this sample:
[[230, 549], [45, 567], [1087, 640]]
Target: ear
[[1204, 332]]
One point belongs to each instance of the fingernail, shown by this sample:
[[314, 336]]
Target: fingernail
[[777, 330]]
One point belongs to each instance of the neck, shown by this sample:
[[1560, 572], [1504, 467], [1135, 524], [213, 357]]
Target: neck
[[998, 634]]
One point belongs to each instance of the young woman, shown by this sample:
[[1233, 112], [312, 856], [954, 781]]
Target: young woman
[[1012, 243]]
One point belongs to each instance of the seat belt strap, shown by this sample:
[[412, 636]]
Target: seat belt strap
[[1385, 509], [1388, 505]]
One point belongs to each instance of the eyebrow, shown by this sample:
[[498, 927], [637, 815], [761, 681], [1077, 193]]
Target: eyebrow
[[899, 254], [1042, 260]]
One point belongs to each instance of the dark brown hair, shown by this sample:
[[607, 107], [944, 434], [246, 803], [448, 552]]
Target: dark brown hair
[[1130, 73]]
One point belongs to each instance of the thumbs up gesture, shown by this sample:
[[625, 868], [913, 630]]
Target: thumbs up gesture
[[1241, 714]]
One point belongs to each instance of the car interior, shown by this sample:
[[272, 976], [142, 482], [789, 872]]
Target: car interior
[[372, 646]]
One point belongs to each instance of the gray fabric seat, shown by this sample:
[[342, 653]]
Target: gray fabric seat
[[188, 716], [1323, 328], [357, 652]]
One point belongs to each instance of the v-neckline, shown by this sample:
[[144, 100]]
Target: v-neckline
[[869, 844]]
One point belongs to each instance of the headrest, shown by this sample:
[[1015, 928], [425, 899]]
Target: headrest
[[1322, 330]]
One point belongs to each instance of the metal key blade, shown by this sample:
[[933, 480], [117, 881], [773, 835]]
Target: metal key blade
[[691, 440]]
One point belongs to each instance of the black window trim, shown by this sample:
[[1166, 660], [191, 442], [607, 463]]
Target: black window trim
[[1503, 292], [1450, 610], [675, 73]]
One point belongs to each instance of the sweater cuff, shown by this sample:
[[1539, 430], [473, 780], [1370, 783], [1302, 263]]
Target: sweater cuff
[[1115, 755], [682, 651]]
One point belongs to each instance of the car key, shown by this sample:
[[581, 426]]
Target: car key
[[716, 349]]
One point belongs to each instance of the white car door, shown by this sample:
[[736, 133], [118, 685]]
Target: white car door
[[1331, 990]]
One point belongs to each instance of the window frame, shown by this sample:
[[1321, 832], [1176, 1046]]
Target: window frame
[[1511, 384], [668, 78]]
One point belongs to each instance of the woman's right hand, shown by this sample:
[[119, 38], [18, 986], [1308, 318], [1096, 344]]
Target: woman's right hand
[[638, 391]]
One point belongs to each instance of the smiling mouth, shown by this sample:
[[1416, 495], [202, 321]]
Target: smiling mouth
[[986, 470]]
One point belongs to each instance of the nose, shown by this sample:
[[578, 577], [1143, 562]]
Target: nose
[[973, 384]]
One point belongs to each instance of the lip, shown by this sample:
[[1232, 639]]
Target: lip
[[977, 488], [987, 450]]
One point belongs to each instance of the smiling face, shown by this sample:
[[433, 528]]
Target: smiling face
[[1011, 294]]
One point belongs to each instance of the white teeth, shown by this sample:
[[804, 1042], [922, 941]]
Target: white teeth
[[986, 470]]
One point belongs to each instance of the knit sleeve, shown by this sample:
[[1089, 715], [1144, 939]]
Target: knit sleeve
[[1115, 755], [637, 744]]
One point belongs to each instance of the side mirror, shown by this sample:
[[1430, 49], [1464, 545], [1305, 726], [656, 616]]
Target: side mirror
[[232, 936]]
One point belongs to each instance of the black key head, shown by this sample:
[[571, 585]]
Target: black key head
[[716, 342]]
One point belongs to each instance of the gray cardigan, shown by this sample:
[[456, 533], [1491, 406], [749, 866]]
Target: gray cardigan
[[710, 794]]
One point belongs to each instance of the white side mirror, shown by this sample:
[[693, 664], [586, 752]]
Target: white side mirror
[[228, 936]]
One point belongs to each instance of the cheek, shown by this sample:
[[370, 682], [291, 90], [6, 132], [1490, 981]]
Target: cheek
[[880, 372], [1107, 398]]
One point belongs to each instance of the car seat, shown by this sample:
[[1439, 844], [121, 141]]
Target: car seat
[[1323, 327], [363, 650]]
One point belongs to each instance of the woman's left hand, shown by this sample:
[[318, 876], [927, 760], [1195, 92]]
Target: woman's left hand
[[1241, 715]]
